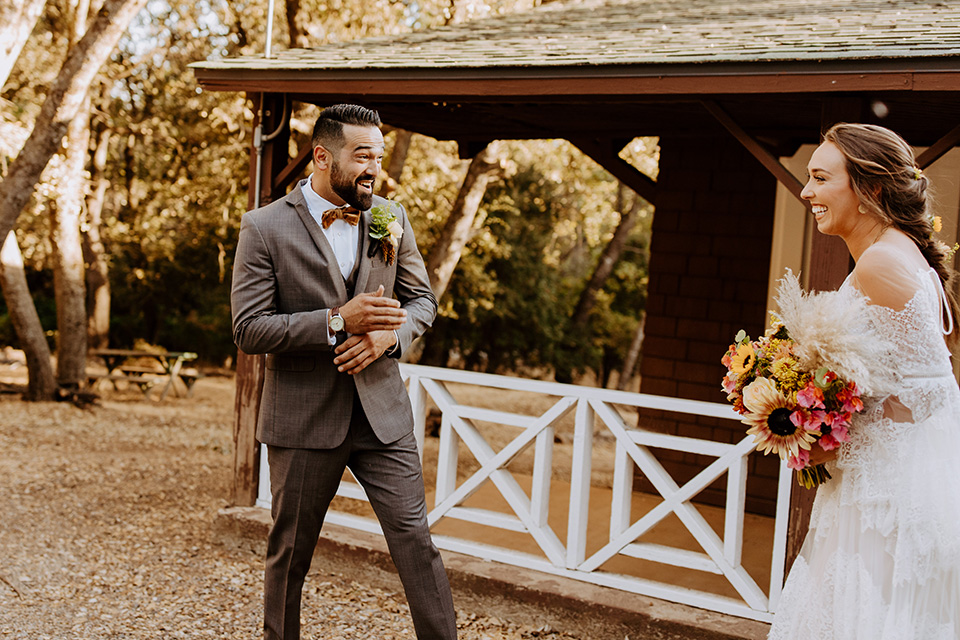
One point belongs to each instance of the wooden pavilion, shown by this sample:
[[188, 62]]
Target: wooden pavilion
[[737, 92]]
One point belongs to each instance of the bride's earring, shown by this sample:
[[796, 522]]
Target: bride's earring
[[862, 209]]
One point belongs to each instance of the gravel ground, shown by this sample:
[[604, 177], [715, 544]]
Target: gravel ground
[[106, 532]]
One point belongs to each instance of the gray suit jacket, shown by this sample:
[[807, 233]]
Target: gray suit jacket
[[285, 277]]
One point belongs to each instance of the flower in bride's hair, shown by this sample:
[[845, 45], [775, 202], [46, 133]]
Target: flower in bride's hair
[[744, 359], [771, 420], [937, 223]]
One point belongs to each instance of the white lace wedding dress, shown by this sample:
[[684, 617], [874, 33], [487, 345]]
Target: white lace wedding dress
[[881, 560]]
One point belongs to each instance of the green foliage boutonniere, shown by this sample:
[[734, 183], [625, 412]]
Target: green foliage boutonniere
[[385, 231]]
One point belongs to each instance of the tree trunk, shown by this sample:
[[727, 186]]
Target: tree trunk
[[41, 383], [633, 354], [64, 100], [298, 39], [398, 158], [445, 254], [17, 20], [68, 264], [608, 259], [98, 282], [61, 105]]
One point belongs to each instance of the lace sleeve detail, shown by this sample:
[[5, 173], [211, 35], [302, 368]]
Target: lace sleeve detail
[[922, 359]]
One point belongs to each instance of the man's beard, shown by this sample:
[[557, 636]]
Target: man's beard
[[349, 190]]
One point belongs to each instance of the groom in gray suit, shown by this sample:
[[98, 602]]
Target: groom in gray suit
[[333, 308]]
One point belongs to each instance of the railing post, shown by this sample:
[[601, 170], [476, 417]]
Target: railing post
[[542, 472], [621, 503], [264, 493], [734, 511], [418, 403], [780, 528], [579, 513]]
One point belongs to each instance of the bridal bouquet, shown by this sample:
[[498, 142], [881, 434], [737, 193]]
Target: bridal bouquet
[[789, 409], [797, 385]]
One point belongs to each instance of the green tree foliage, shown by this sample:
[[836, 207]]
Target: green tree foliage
[[509, 304], [178, 172]]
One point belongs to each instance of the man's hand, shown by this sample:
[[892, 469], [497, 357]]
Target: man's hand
[[372, 312], [358, 351]]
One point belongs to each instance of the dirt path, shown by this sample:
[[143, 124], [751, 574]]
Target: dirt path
[[105, 532]]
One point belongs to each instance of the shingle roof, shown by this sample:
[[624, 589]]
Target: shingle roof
[[655, 32]]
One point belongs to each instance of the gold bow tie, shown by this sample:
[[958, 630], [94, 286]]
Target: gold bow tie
[[348, 214]]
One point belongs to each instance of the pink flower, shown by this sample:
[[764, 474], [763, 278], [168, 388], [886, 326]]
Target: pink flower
[[728, 356], [817, 418], [729, 383], [810, 396], [809, 420], [828, 441], [799, 461], [840, 433]]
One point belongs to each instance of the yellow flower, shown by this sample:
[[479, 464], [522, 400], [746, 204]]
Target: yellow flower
[[785, 370], [937, 224], [744, 359], [768, 416]]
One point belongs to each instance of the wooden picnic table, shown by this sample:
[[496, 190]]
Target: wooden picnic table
[[171, 365]]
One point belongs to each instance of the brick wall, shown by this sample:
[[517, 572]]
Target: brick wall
[[709, 260]]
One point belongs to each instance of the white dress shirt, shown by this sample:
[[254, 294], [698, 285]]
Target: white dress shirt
[[342, 236]]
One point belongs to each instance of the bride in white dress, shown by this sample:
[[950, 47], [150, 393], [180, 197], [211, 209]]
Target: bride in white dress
[[881, 560]]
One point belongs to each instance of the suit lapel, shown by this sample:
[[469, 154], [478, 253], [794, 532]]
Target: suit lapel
[[297, 201], [363, 262]]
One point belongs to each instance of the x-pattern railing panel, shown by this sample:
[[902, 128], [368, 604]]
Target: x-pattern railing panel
[[594, 410], [532, 512], [676, 500]]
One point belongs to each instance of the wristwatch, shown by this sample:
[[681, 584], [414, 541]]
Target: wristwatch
[[336, 320]]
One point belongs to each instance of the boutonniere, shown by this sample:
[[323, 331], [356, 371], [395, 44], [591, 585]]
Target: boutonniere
[[385, 232]]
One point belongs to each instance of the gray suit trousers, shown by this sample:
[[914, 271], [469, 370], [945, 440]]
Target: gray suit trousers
[[304, 481]]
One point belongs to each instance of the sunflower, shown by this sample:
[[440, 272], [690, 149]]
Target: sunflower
[[744, 359], [769, 417]]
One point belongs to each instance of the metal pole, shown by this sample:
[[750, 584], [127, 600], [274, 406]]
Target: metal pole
[[258, 132], [269, 29]]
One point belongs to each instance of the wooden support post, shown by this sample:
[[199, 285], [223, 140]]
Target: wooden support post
[[276, 143], [250, 368], [829, 264], [246, 453], [829, 261]]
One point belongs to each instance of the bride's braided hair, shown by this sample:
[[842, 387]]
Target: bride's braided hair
[[885, 177]]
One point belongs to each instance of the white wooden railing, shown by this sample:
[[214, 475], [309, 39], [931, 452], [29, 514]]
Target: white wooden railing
[[595, 412]]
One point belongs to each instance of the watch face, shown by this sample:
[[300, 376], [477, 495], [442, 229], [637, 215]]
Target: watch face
[[336, 323]]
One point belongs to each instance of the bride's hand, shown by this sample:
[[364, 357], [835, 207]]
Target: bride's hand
[[819, 456]]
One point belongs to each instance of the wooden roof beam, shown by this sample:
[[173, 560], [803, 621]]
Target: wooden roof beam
[[467, 149], [756, 149], [605, 153], [939, 148], [290, 172]]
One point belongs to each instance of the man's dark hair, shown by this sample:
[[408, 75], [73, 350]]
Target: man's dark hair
[[328, 131]]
